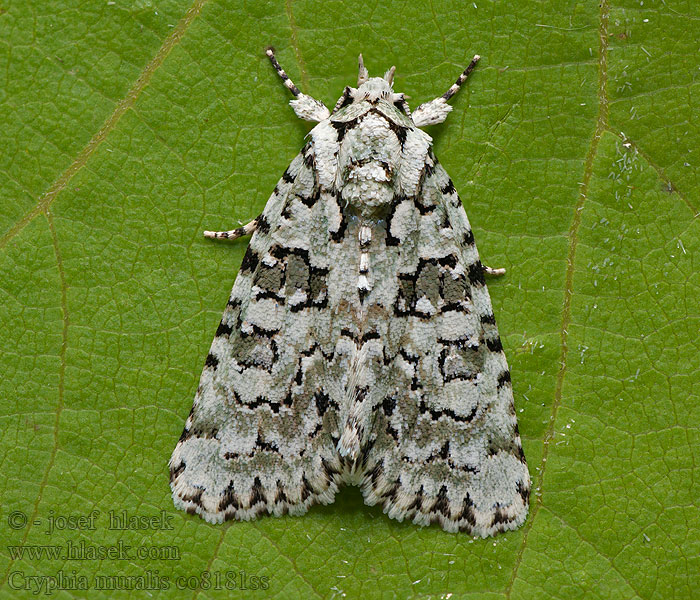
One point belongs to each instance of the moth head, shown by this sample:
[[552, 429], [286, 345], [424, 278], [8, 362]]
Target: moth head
[[374, 84], [372, 89]]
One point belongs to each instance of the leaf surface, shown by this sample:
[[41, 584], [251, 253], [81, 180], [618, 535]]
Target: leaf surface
[[128, 128]]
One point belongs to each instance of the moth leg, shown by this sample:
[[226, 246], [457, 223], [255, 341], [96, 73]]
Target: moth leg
[[304, 106], [246, 229], [494, 272], [436, 111]]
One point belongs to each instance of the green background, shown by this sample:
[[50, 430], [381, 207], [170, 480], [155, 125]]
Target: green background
[[128, 127]]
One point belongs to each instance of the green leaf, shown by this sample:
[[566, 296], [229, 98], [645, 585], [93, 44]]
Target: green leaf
[[129, 127]]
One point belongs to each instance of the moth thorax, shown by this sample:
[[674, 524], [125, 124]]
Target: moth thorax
[[368, 158]]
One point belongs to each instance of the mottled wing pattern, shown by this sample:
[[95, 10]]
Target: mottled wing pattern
[[445, 446], [261, 436]]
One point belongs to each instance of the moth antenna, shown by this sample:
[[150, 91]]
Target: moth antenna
[[281, 72], [436, 111], [389, 75], [461, 79], [362, 75]]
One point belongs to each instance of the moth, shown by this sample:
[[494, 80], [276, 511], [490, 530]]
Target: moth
[[358, 345]]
